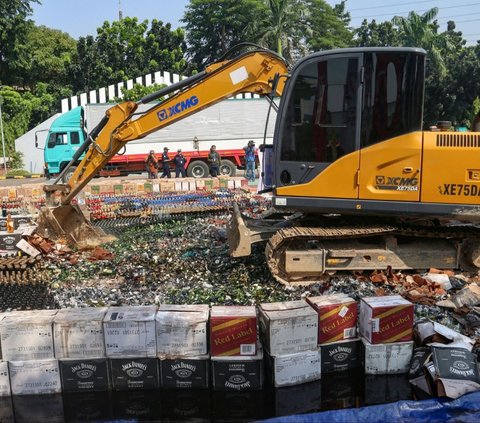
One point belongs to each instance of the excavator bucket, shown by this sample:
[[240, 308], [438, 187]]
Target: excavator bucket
[[70, 223], [243, 231]]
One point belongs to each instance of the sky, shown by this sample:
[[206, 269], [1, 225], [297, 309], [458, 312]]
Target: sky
[[81, 18]]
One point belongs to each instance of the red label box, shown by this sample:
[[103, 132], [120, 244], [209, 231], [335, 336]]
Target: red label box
[[233, 331], [337, 317], [386, 319]]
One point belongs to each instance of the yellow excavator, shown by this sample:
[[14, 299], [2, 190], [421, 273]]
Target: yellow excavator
[[356, 183]]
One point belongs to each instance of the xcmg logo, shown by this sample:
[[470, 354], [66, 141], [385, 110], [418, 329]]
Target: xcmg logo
[[177, 108], [396, 183]]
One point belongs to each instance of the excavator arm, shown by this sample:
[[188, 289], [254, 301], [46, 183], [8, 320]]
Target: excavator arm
[[254, 72], [257, 72]]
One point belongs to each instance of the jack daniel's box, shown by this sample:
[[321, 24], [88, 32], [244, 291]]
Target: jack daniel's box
[[419, 375], [84, 375], [337, 317], [185, 372], [456, 371], [341, 356], [134, 373], [8, 242], [238, 373]]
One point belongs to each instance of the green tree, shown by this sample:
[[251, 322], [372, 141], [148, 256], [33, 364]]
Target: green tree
[[137, 92], [44, 56], [421, 31], [328, 26], [126, 49], [373, 34], [13, 29], [214, 26]]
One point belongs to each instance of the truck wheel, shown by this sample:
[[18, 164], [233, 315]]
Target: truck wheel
[[228, 168], [197, 169], [68, 175]]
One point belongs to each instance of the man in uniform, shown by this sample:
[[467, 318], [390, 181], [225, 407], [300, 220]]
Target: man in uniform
[[214, 161], [165, 164], [180, 161]]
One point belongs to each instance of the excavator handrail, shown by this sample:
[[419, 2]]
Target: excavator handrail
[[252, 72]]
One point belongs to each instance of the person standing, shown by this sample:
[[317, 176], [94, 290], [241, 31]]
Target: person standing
[[165, 164], [180, 161], [152, 165], [250, 161], [214, 161]]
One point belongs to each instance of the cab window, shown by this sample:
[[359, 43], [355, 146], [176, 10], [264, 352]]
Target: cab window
[[57, 138], [74, 138], [321, 114]]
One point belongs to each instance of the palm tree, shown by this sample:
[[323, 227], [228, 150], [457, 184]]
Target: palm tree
[[421, 31]]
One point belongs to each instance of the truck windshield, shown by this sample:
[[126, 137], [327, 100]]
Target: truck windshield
[[57, 138]]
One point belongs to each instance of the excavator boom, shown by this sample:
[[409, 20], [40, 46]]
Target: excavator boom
[[258, 72]]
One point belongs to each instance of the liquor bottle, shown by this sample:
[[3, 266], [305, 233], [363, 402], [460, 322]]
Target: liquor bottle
[[10, 227]]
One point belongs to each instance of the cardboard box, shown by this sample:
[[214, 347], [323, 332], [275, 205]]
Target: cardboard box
[[167, 186], [341, 356], [386, 319], [27, 248], [4, 380], [182, 329], [295, 369], [288, 327], [87, 406], [6, 410], [27, 335], [298, 399], [38, 408], [8, 242], [78, 333], [382, 359], [381, 389], [185, 372], [133, 374], [84, 375], [418, 373], [130, 332], [337, 317], [34, 377], [238, 373], [456, 371], [233, 331]]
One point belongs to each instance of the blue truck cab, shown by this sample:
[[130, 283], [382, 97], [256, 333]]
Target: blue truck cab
[[65, 136]]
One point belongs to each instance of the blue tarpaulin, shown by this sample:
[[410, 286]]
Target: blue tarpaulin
[[464, 409]]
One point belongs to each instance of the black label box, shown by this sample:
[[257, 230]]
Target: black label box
[[238, 373], [341, 356], [185, 372], [134, 373], [84, 375]]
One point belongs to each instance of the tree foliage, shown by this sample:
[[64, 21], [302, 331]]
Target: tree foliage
[[214, 26]]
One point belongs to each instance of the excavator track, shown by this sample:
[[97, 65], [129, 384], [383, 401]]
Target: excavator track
[[301, 255]]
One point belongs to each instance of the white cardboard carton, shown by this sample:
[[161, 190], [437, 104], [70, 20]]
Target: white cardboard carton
[[78, 333], [294, 369], [288, 327], [130, 331], [34, 377], [4, 380], [27, 335], [182, 329], [382, 359]]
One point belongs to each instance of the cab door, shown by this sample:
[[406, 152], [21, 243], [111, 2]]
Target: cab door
[[318, 128], [391, 137]]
